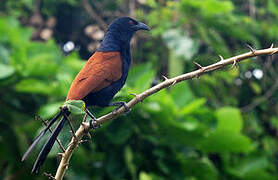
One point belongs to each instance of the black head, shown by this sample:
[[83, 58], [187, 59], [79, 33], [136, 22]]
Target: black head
[[119, 34], [125, 27]]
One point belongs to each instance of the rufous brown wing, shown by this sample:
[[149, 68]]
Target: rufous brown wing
[[100, 71]]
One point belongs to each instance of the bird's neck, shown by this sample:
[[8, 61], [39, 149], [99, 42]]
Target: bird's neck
[[112, 42], [126, 54]]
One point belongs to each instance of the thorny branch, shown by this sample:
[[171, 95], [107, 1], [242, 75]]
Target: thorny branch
[[85, 128]]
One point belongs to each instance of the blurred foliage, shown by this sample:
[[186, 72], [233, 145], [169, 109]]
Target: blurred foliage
[[198, 129]]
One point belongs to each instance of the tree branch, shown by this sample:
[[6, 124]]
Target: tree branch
[[94, 15], [84, 127]]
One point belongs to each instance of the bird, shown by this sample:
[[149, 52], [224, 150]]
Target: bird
[[102, 76]]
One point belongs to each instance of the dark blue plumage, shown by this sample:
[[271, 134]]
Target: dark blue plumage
[[117, 38], [103, 75]]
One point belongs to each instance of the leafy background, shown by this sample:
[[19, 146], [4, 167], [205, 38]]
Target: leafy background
[[221, 126]]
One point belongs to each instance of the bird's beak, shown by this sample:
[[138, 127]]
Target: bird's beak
[[142, 26]]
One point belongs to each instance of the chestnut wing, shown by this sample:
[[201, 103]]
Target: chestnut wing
[[102, 69]]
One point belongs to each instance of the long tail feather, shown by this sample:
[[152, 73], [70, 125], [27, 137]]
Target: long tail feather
[[47, 147], [38, 138]]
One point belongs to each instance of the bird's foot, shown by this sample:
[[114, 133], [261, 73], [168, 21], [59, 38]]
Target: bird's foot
[[93, 126], [91, 122], [120, 104]]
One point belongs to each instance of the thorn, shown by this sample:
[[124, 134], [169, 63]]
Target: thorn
[[82, 141], [165, 78], [221, 58], [49, 176], [66, 165], [114, 112], [133, 94], [136, 96], [60, 154], [70, 144], [201, 67], [89, 135], [83, 124], [234, 64], [273, 51], [250, 48], [173, 83]]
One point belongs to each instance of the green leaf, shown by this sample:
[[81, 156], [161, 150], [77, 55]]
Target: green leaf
[[6, 71], [144, 176], [120, 131], [152, 107], [199, 168], [149, 176], [249, 164], [141, 77], [129, 162], [256, 87], [214, 7], [33, 86], [259, 175], [41, 65], [4, 55], [8, 137], [49, 110], [75, 106], [229, 119], [226, 141], [193, 106], [181, 94]]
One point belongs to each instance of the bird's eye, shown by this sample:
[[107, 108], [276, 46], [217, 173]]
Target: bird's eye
[[131, 22]]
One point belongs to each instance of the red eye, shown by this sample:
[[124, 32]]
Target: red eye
[[131, 22]]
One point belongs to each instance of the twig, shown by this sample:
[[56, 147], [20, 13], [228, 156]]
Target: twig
[[49, 176], [85, 127], [70, 124], [93, 14]]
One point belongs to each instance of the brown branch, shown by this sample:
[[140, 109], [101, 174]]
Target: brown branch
[[93, 14], [84, 128]]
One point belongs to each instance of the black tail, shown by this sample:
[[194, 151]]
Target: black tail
[[47, 147], [38, 138]]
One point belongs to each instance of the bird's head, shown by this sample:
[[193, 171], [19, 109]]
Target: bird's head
[[125, 27]]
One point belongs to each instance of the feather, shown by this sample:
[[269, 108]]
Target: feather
[[47, 146], [38, 138]]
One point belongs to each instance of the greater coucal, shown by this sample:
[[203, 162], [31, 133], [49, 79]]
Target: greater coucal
[[103, 75]]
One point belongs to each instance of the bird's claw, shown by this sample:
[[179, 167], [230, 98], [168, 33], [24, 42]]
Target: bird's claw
[[127, 109], [93, 126], [120, 105]]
